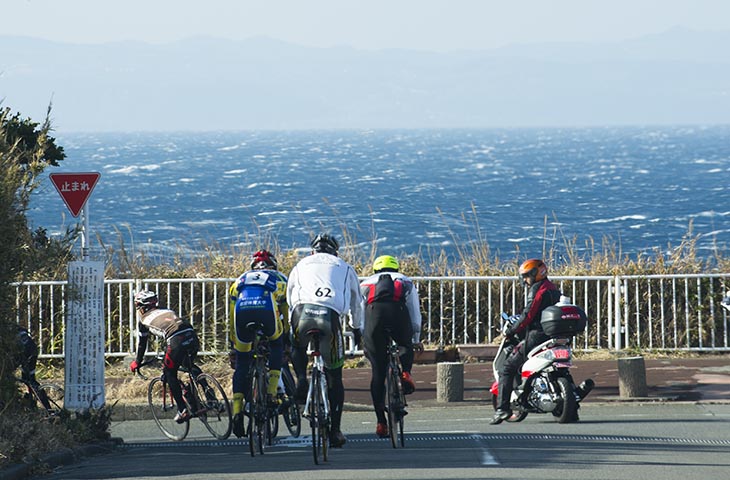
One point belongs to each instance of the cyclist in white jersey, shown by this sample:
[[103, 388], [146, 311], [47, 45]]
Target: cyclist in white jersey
[[322, 289]]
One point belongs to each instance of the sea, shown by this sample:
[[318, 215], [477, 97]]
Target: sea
[[521, 192]]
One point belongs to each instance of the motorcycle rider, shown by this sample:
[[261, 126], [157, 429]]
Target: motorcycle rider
[[542, 293], [322, 289], [258, 295], [390, 300]]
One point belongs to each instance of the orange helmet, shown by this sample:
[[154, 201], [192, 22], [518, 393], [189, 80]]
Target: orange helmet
[[535, 268]]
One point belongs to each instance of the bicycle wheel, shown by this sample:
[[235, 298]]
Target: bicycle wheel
[[289, 407], [319, 444], [394, 408], [163, 409], [51, 397], [215, 410], [257, 413], [272, 424], [324, 421]]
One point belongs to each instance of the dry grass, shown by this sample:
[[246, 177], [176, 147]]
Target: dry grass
[[472, 255]]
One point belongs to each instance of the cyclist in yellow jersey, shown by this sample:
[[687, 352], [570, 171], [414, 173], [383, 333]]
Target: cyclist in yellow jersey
[[259, 296]]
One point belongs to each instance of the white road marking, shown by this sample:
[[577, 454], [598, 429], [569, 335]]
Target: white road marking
[[487, 457]]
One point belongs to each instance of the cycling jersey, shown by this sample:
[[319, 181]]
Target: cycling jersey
[[326, 280], [27, 355], [375, 289], [162, 323], [257, 296]]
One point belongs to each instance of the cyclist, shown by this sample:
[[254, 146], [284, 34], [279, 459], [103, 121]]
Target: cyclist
[[181, 339], [390, 301], [542, 293], [259, 295], [322, 290]]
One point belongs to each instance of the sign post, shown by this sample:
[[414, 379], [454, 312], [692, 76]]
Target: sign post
[[84, 343]]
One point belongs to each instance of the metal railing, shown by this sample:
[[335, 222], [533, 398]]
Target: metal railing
[[655, 312]]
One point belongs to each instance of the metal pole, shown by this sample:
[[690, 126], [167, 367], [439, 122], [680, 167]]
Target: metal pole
[[85, 234]]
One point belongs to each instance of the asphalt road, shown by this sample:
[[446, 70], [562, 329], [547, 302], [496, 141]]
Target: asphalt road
[[614, 441]]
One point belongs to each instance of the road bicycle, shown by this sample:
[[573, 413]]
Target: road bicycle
[[263, 421], [204, 398], [288, 406], [317, 407], [48, 395], [396, 399]]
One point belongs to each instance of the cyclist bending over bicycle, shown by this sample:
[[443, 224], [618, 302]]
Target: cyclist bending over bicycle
[[180, 338], [322, 290], [259, 295], [26, 358], [392, 310]]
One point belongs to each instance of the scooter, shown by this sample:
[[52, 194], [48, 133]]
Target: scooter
[[545, 384]]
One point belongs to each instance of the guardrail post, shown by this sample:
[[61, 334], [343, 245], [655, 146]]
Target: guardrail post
[[617, 314]]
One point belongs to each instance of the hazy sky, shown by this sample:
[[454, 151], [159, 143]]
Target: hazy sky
[[439, 25]]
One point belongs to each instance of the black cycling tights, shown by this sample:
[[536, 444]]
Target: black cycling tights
[[336, 393]]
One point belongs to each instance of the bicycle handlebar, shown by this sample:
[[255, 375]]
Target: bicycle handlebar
[[138, 373]]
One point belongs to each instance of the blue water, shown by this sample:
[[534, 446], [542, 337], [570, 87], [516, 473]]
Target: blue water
[[416, 191]]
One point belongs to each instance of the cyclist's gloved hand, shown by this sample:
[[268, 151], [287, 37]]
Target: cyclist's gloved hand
[[134, 366], [358, 337]]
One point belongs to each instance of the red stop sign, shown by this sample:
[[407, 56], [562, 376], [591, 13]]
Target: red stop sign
[[75, 188]]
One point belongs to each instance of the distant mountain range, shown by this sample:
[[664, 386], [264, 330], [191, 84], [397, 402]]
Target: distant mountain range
[[676, 77]]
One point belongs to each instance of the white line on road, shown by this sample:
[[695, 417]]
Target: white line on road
[[487, 457]]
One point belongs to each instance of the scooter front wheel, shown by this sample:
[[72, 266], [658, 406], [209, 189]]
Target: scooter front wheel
[[516, 416]]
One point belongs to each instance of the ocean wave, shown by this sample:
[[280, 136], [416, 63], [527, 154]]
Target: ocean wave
[[618, 219], [230, 148], [133, 168]]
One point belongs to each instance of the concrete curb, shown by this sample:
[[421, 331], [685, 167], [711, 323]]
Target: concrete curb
[[52, 460]]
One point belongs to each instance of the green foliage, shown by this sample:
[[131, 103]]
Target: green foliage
[[26, 150]]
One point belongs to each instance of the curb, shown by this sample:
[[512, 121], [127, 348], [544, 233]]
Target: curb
[[52, 460]]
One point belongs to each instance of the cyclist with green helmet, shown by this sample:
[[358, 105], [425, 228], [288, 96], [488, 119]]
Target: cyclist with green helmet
[[392, 309]]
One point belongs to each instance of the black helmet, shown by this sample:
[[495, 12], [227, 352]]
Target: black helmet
[[324, 243], [262, 260], [145, 300]]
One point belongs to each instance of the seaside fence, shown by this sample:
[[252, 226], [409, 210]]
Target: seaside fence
[[654, 312]]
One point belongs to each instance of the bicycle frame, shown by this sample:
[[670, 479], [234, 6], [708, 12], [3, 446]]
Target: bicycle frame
[[260, 431], [318, 413], [40, 395], [199, 407], [318, 366]]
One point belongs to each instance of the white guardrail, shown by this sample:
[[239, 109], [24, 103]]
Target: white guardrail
[[655, 312]]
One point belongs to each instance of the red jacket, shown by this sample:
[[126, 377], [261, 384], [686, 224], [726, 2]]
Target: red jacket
[[542, 294]]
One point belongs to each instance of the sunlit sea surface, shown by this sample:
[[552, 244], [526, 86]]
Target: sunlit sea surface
[[412, 191]]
